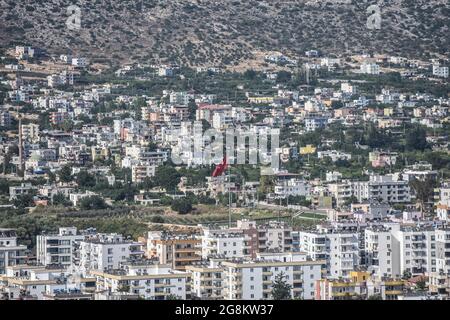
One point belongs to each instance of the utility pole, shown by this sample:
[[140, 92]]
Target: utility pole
[[21, 166]]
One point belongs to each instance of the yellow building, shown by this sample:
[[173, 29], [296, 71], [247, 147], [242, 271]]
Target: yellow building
[[388, 112], [309, 149], [260, 100]]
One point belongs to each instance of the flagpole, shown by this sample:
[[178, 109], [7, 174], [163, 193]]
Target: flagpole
[[229, 196]]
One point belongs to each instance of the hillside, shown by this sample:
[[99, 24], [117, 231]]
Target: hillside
[[225, 32]]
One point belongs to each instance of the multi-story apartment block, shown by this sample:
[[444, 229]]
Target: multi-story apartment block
[[107, 252], [140, 172], [340, 250], [5, 119], [442, 197], [360, 285], [30, 132], [274, 237], [253, 280], [147, 280], [226, 243], [11, 253], [46, 283], [177, 250], [344, 253], [206, 281], [416, 248], [440, 71], [439, 285], [388, 189], [24, 188], [370, 68], [58, 249], [442, 237], [355, 287], [379, 255]]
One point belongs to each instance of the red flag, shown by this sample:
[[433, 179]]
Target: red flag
[[220, 168]]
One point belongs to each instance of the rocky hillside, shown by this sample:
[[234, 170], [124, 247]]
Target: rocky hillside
[[226, 32]]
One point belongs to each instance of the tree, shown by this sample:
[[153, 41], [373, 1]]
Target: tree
[[421, 285], [60, 199], [266, 184], [192, 107], [157, 219], [167, 177], [376, 138], [284, 76], [85, 179], [182, 206], [351, 200], [407, 275], [281, 289], [93, 203], [23, 200], [416, 139], [4, 186], [123, 288], [250, 74], [423, 189], [65, 174]]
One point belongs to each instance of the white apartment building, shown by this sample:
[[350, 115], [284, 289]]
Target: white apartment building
[[11, 253], [370, 68], [343, 253], [379, 255], [443, 204], [348, 88], [46, 283], [253, 280], [292, 187], [140, 172], [340, 250], [79, 62], [439, 71], [443, 251], [388, 188], [224, 243], [334, 155], [416, 249], [5, 119], [24, 188], [30, 132], [206, 280], [57, 249], [147, 280], [274, 236], [107, 252]]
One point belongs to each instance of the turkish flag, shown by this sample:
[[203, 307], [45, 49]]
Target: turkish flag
[[220, 168]]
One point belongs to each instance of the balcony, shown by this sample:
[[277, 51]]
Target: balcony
[[393, 292]]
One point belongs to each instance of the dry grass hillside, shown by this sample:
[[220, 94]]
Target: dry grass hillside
[[225, 32]]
